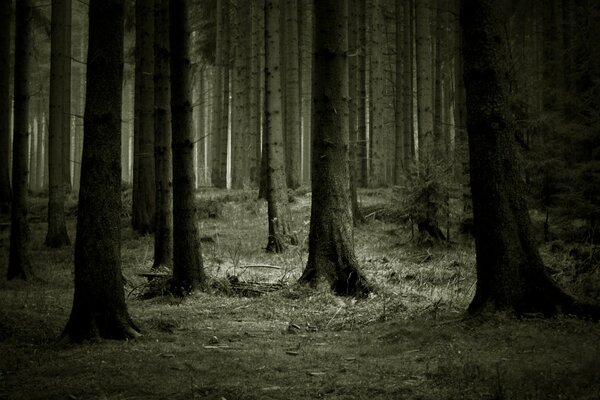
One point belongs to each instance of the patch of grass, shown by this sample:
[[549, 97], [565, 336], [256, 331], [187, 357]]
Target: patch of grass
[[410, 339]]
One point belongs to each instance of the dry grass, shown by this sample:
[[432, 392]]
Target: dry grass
[[408, 340]]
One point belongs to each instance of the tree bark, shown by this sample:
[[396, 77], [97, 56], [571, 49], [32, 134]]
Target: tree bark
[[57, 235], [19, 258], [399, 124], [353, 165], [424, 82], [361, 109], [163, 235], [188, 269], [292, 95], [5, 106], [221, 132], [377, 133], [407, 88], [99, 308], [331, 259], [305, 32], [277, 196], [143, 197], [510, 273], [66, 95]]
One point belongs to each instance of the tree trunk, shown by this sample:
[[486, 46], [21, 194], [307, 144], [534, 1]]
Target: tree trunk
[[57, 235], [240, 132], [361, 108], [407, 88], [353, 109], [377, 149], [143, 196], [33, 151], [65, 65], [424, 82], [19, 258], [163, 235], [331, 258], [220, 139], [99, 309], [188, 269], [399, 167], [5, 106], [277, 196], [305, 32], [510, 273], [292, 95]]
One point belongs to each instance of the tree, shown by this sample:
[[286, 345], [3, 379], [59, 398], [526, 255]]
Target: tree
[[60, 104], [66, 95], [18, 259], [188, 269], [143, 197], [163, 234], [510, 273], [377, 131], [99, 308], [220, 135], [5, 106], [331, 258], [291, 66], [424, 81], [277, 197], [361, 107]]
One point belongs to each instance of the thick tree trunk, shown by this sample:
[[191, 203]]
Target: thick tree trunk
[[57, 235], [19, 258], [331, 258], [163, 235], [5, 106], [277, 196], [510, 273], [143, 196], [99, 309], [188, 269]]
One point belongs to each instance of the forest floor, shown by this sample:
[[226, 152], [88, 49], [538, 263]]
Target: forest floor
[[411, 339]]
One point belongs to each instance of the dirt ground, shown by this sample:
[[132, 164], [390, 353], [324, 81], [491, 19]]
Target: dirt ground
[[411, 339]]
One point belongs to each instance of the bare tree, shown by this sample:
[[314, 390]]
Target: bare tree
[[59, 127], [18, 261], [99, 308], [5, 106], [510, 273], [163, 234], [188, 269], [143, 198], [277, 197], [331, 258]]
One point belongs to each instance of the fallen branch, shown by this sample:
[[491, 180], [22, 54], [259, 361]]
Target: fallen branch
[[261, 266]]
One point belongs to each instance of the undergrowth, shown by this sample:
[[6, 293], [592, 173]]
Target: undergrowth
[[410, 339]]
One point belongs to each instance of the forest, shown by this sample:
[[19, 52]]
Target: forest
[[281, 199]]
